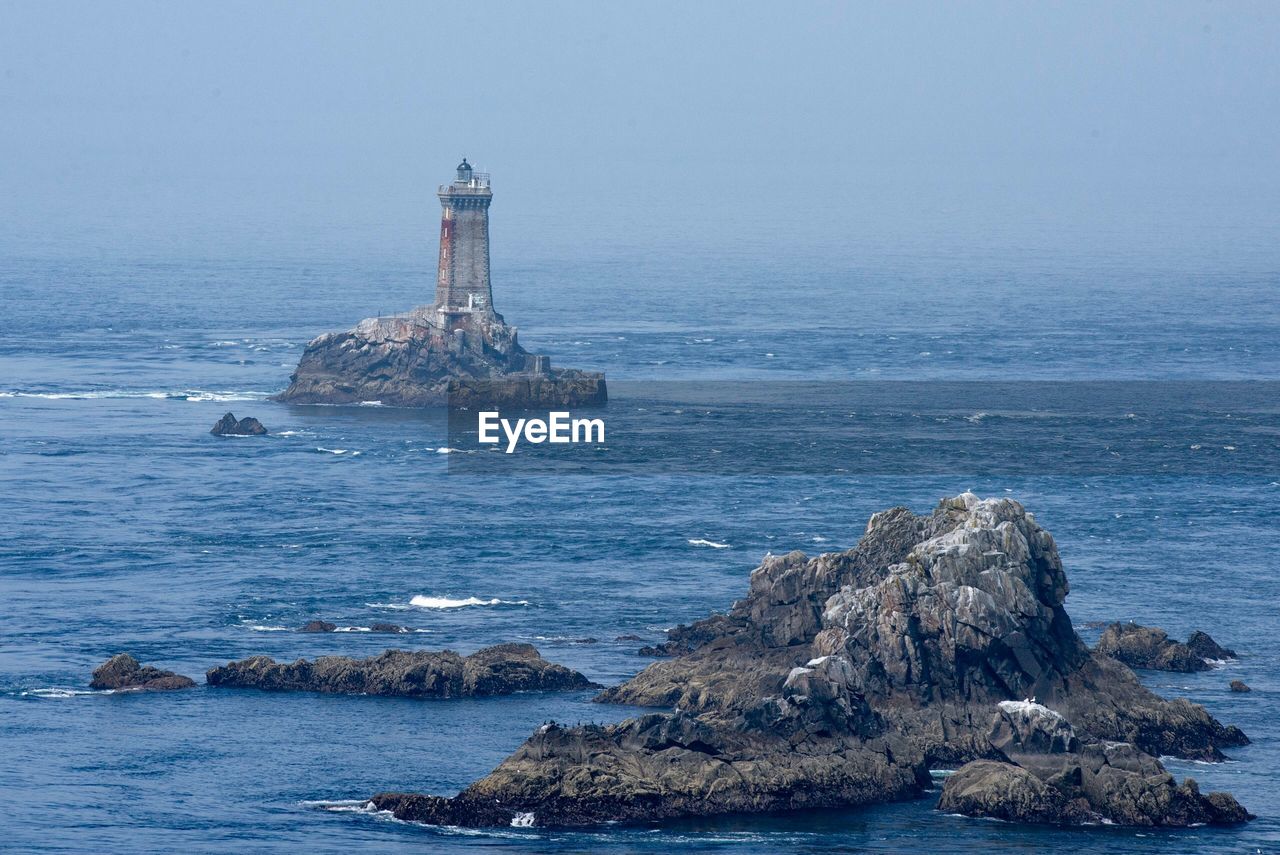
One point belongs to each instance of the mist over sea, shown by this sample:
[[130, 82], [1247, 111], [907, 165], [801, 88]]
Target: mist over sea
[[685, 196]]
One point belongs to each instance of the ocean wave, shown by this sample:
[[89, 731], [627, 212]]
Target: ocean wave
[[84, 395], [424, 602], [340, 805], [698, 541], [337, 451], [264, 627], [60, 692], [199, 395]]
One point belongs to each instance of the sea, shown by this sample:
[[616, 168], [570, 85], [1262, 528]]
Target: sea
[[126, 527]]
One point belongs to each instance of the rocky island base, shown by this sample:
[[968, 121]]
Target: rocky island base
[[499, 670], [410, 361], [840, 680]]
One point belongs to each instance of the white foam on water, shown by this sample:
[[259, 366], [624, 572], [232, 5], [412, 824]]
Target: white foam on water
[[523, 819], [331, 450], [698, 541], [201, 395], [371, 403], [263, 627], [341, 805], [976, 417], [352, 629], [1170, 760], [60, 692], [86, 396], [424, 602]]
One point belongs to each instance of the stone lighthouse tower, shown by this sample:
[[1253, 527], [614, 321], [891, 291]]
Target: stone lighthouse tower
[[462, 282]]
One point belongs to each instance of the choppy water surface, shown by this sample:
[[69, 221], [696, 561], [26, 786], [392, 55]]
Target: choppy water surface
[[127, 527]]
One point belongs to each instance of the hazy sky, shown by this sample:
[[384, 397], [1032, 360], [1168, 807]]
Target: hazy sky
[[215, 124]]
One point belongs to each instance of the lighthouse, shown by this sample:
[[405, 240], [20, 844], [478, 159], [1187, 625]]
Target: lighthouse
[[462, 280]]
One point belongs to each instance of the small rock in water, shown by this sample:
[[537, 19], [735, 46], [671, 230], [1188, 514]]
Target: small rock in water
[[629, 637], [1240, 686], [388, 627], [1149, 647], [318, 626], [1203, 645], [122, 671], [229, 426]]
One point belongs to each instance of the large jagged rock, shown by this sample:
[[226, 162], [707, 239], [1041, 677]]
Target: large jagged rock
[[935, 614], [1046, 775], [122, 672], [407, 361], [498, 670], [1149, 647], [889, 656]]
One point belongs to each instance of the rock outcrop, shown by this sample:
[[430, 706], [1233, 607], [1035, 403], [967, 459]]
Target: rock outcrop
[[663, 766], [498, 670], [411, 361], [1149, 647], [1239, 686], [318, 626], [122, 672], [229, 426], [890, 657], [1045, 774], [1203, 645]]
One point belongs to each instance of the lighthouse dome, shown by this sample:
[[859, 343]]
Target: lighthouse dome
[[464, 171]]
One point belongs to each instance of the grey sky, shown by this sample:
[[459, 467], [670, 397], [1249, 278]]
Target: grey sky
[[141, 122]]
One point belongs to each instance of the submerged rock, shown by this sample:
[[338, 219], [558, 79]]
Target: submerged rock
[[1046, 775], [1149, 647], [228, 426], [839, 679], [388, 627], [1240, 686], [498, 670], [122, 671], [318, 626]]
